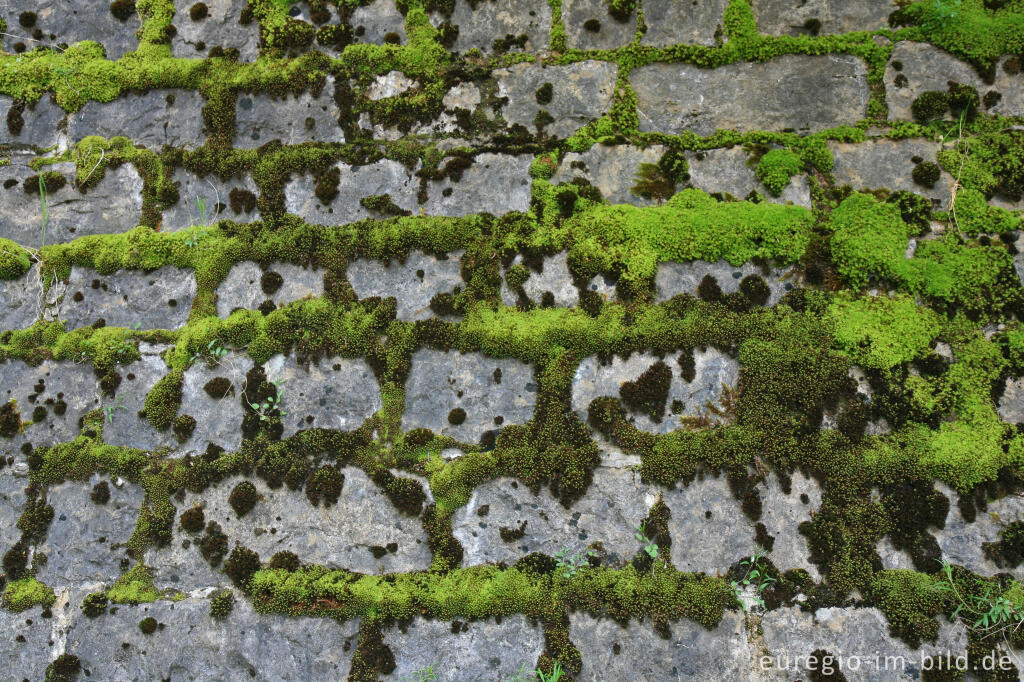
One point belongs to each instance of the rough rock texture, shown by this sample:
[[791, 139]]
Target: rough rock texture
[[441, 382], [221, 27], [86, 541], [189, 645], [670, 22], [924, 67], [355, 183], [684, 278], [962, 542], [204, 200], [1011, 404], [474, 191], [341, 535], [611, 169], [713, 372], [65, 390], [412, 283], [39, 122], [637, 651], [158, 117], [25, 640], [580, 93], [377, 20], [482, 650], [123, 421], [554, 278], [61, 22], [113, 205], [332, 393], [709, 531], [608, 513], [796, 17], [161, 299], [590, 26], [21, 300], [726, 171], [307, 117], [782, 513], [218, 414], [888, 164], [494, 20], [854, 634], [12, 500], [793, 92], [244, 286]]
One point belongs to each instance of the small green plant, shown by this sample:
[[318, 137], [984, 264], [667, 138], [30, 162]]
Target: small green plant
[[525, 674], [756, 577], [198, 235], [568, 565], [423, 675], [45, 212], [650, 546], [554, 676], [939, 14], [271, 404], [987, 613], [214, 353], [109, 410]]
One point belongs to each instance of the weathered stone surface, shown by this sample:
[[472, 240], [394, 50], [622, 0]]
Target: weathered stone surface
[[342, 535], [580, 93], [1011, 404], [65, 390], [855, 634], [306, 118], [612, 169], [62, 22], [791, 17], [113, 205], [782, 513], [377, 20], [608, 513], [441, 382], [332, 393], [888, 164], [25, 643], [708, 529], [160, 299], [479, 650], [218, 419], [412, 283], [590, 26], [355, 183], [726, 171], [462, 96], [494, 20], [221, 27], [192, 646], [21, 300], [123, 423], [670, 22], [158, 117], [243, 287], [554, 278], [612, 652], [961, 542], [684, 278], [86, 541], [391, 84], [924, 68], [204, 200], [38, 122], [475, 191], [804, 93], [12, 501], [713, 372]]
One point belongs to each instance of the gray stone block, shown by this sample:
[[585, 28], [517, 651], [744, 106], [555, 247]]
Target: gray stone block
[[804, 93], [159, 117], [670, 22], [684, 278], [243, 287], [580, 93], [493, 20], [221, 27], [792, 17], [612, 169], [65, 390], [38, 123], [21, 300], [123, 424], [355, 183], [708, 529], [292, 120], [582, 17], [726, 170], [12, 502], [377, 19], [475, 191], [205, 200], [479, 650], [62, 22], [160, 299], [412, 283], [888, 164], [441, 382], [26, 642]]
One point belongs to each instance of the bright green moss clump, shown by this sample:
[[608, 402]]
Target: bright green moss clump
[[883, 332], [134, 587], [776, 168], [14, 260], [25, 593]]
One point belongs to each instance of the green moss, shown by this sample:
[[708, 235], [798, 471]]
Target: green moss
[[221, 604], [883, 332], [25, 593], [14, 260], [134, 587], [775, 169]]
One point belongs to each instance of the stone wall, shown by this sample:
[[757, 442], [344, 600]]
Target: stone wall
[[456, 340]]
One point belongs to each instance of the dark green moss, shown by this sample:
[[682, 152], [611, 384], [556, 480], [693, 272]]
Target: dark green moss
[[218, 387], [926, 174], [284, 560], [930, 105], [148, 625], [183, 426], [100, 493], [122, 9], [64, 668], [325, 486], [243, 498], [192, 520], [457, 416], [95, 604], [214, 544], [544, 93], [221, 604], [241, 565]]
